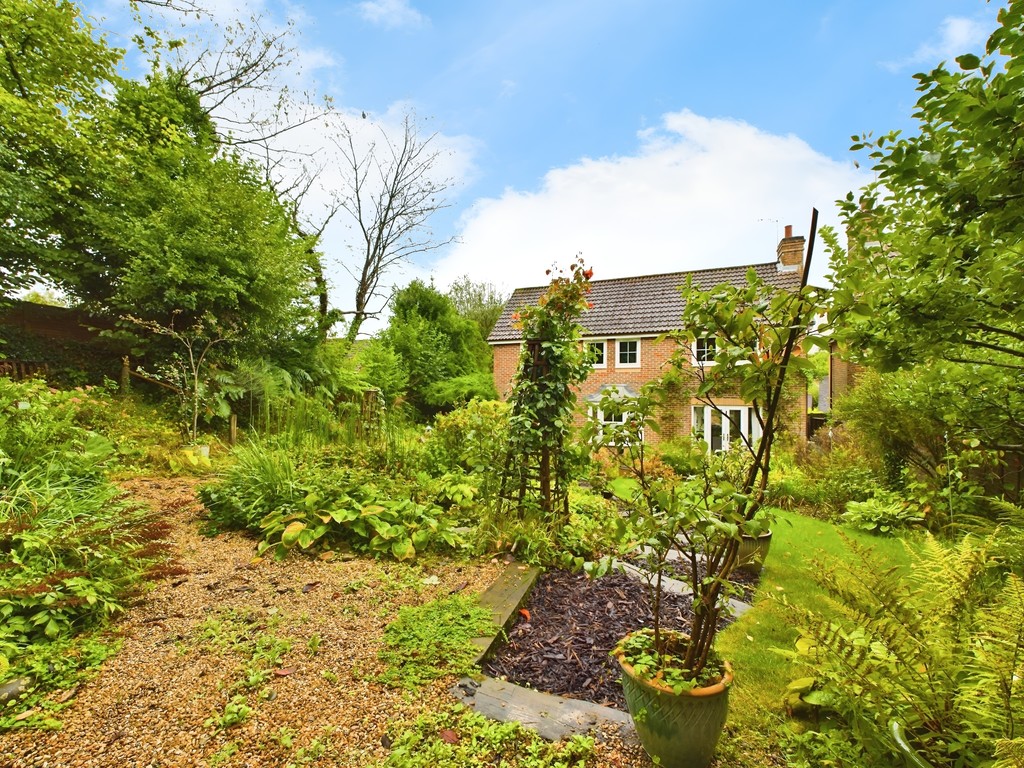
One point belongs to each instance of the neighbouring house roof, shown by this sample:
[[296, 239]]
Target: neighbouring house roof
[[628, 306]]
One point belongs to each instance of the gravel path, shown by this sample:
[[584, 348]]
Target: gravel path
[[194, 643]]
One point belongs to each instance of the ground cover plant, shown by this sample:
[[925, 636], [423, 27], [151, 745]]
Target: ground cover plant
[[74, 551], [320, 501], [460, 738], [433, 640]]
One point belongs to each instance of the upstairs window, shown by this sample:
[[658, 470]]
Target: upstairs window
[[596, 350], [704, 351], [629, 353]]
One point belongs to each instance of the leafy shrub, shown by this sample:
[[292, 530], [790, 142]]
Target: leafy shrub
[[73, 553], [457, 493], [70, 550], [473, 438], [53, 665], [459, 390], [823, 477], [882, 514], [939, 650], [307, 501], [37, 423], [679, 455], [360, 518], [595, 526], [825, 747]]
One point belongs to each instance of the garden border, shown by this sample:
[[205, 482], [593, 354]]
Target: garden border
[[552, 717]]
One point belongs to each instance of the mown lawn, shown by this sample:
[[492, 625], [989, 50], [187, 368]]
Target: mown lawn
[[801, 548]]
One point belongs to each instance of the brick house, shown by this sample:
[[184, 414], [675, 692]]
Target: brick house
[[622, 330]]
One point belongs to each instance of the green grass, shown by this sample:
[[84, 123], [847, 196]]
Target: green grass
[[801, 547]]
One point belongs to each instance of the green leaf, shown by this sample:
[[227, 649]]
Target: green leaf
[[625, 488], [816, 698], [801, 685], [968, 61], [291, 534], [403, 549], [344, 514]]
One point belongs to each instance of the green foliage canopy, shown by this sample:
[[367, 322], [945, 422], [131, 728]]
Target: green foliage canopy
[[933, 269], [52, 72], [446, 359], [121, 193], [935, 241], [480, 302]]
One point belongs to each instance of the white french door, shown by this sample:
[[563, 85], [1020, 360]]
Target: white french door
[[720, 426]]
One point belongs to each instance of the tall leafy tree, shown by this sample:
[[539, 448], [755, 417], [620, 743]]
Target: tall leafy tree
[[935, 241], [447, 360], [933, 272], [480, 302], [209, 234], [52, 71]]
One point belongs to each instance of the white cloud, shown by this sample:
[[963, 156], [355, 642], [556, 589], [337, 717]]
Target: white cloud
[[390, 13], [508, 89], [957, 35], [699, 192]]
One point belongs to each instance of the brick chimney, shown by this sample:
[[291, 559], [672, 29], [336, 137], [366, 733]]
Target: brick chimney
[[791, 252]]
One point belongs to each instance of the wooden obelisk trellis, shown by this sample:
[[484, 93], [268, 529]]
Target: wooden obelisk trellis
[[529, 473]]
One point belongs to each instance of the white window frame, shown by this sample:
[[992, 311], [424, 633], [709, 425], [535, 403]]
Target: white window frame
[[618, 352], [749, 427], [604, 352], [695, 351], [623, 417]]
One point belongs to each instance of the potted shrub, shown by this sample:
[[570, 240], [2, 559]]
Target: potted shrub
[[676, 686]]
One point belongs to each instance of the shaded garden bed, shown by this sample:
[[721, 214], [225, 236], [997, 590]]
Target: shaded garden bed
[[561, 639]]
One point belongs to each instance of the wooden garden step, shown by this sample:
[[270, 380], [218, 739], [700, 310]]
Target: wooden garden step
[[504, 597]]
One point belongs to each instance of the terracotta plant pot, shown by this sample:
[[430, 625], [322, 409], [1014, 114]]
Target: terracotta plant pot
[[752, 552], [680, 729]]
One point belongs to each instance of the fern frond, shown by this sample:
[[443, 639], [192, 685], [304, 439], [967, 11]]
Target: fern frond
[[1009, 753]]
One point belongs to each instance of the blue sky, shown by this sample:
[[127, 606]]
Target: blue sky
[[648, 135]]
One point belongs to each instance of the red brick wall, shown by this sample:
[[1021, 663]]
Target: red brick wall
[[506, 359], [675, 420], [842, 375]]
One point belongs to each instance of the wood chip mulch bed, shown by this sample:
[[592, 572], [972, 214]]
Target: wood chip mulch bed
[[561, 640]]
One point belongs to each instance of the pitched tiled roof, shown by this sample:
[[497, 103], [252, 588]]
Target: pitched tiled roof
[[629, 306]]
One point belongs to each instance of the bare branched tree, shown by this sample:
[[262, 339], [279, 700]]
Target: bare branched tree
[[181, 6], [391, 192], [235, 69], [295, 188]]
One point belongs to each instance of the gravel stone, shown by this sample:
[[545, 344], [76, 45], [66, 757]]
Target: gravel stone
[[147, 706]]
